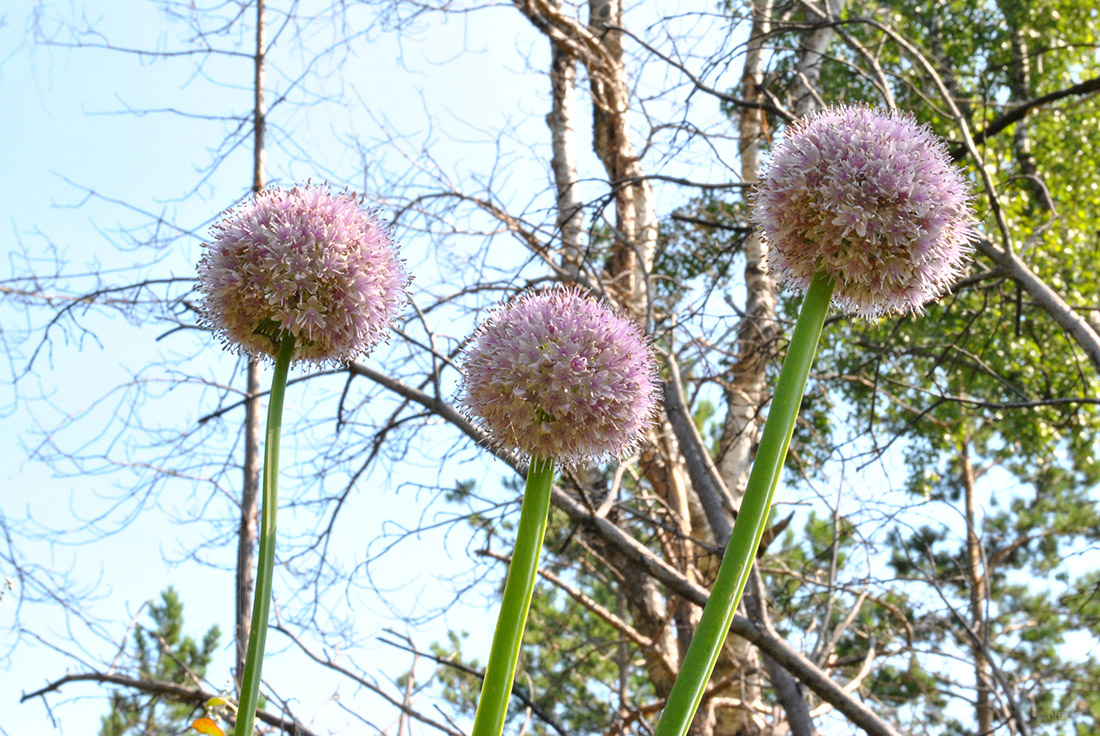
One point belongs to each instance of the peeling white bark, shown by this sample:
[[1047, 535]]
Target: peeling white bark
[[563, 140], [635, 227]]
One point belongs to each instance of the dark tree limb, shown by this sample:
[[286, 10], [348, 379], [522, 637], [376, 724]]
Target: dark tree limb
[[168, 690], [1051, 302], [786, 687], [1020, 111], [714, 497]]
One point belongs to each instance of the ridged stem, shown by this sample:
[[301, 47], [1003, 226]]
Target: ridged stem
[[752, 517]]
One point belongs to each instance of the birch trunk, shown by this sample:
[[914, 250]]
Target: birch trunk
[[635, 232], [757, 333], [738, 707], [563, 140], [747, 390]]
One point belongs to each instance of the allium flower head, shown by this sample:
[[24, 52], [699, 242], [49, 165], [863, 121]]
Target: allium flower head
[[560, 375], [304, 262], [870, 198]]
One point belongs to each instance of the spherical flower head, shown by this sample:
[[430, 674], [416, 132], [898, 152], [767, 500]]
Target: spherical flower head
[[560, 375], [871, 199], [304, 262]]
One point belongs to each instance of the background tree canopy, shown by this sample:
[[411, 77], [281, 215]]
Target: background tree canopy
[[932, 565]]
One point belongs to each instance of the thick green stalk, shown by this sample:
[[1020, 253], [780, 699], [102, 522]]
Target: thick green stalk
[[492, 708], [265, 564], [702, 654]]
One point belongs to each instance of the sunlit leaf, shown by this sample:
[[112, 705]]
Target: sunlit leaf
[[207, 726], [218, 701]]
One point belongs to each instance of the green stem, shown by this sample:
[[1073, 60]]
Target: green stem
[[702, 654], [265, 564], [492, 708]]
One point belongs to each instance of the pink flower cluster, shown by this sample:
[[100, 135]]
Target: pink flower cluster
[[304, 262], [557, 374], [871, 199]]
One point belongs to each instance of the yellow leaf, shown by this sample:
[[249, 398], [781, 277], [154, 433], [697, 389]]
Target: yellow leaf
[[207, 726], [217, 701]]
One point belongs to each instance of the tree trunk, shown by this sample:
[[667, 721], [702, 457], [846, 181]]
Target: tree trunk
[[812, 47], [635, 236], [246, 541], [563, 141], [747, 391], [1019, 83], [983, 709]]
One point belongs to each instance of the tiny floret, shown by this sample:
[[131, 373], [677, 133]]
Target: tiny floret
[[560, 375], [871, 199], [305, 262]]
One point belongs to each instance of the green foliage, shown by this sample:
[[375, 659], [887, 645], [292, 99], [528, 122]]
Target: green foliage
[[458, 687], [697, 250], [162, 654]]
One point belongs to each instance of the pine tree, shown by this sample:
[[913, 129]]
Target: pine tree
[[164, 654]]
